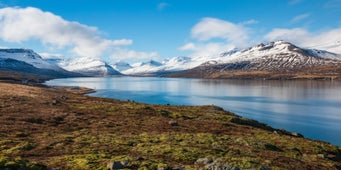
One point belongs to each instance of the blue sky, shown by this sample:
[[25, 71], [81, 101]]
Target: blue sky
[[139, 30]]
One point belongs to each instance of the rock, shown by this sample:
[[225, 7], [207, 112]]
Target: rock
[[297, 134], [178, 167], [210, 164], [112, 165], [220, 166], [125, 162], [204, 161], [173, 123], [55, 102], [63, 97], [322, 155]]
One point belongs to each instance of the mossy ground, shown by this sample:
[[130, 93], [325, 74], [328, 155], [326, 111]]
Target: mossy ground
[[61, 128]]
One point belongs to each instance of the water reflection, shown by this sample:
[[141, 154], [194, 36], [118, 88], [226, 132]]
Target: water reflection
[[312, 108]]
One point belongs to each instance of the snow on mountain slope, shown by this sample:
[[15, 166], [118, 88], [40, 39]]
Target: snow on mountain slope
[[121, 66], [88, 66], [279, 55], [143, 68], [169, 65], [28, 56]]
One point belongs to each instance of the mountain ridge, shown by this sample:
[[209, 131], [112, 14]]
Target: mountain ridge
[[279, 58], [27, 61], [282, 59]]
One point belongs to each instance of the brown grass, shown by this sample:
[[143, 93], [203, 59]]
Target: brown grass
[[62, 128]]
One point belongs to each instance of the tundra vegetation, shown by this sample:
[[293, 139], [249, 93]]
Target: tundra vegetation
[[60, 127]]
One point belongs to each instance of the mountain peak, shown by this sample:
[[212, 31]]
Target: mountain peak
[[22, 51], [151, 63]]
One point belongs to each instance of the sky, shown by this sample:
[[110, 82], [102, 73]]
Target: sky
[[141, 30]]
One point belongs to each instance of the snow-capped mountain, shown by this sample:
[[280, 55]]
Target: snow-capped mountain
[[143, 68], [167, 66], [121, 66], [88, 66], [279, 55], [275, 57], [28, 56], [26, 60]]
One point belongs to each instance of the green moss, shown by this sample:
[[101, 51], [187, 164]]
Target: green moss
[[19, 163]]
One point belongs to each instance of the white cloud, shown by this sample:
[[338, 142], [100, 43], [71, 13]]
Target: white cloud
[[332, 4], [206, 49], [24, 24], [209, 28], [51, 55], [213, 36], [328, 40], [122, 42], [132, 55], [162, 6], [300, 18], [297, 35], [188, 46], [250, 22]]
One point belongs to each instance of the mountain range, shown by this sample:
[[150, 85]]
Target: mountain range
[[275, 58]]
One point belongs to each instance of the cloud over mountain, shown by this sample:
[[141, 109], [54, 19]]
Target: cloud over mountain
[[24, 24]]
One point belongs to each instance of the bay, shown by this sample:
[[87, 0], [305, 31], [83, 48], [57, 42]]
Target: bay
[[309, 107]]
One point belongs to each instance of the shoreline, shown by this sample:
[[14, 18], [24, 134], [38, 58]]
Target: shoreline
[[66, 127], [86, 90]]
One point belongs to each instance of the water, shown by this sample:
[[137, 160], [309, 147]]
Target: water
[[312, 108]]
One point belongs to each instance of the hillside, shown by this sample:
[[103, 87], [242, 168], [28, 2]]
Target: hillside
[[60, 128], [276, 60]]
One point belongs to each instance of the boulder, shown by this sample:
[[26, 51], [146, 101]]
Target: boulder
[[55, 102], [173, 123], [113, 165], [297, 134], [204, 161]]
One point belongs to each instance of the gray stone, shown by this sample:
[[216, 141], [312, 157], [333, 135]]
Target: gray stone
[[204, 161], [112, 165], [178, 167], [322, 155], [297, 134], [125, 162], [55, 102], [173, 123]]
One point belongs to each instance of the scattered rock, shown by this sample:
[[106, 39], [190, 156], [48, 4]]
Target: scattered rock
[[173, 123], [297, 134], [210, 164], [63, 97], [204, 161], [322, 155], [112, 165], [220, 166], [125, 162], [180, 167], [55, 102]]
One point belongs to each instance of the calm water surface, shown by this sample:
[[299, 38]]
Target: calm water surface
[[312, 108]]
